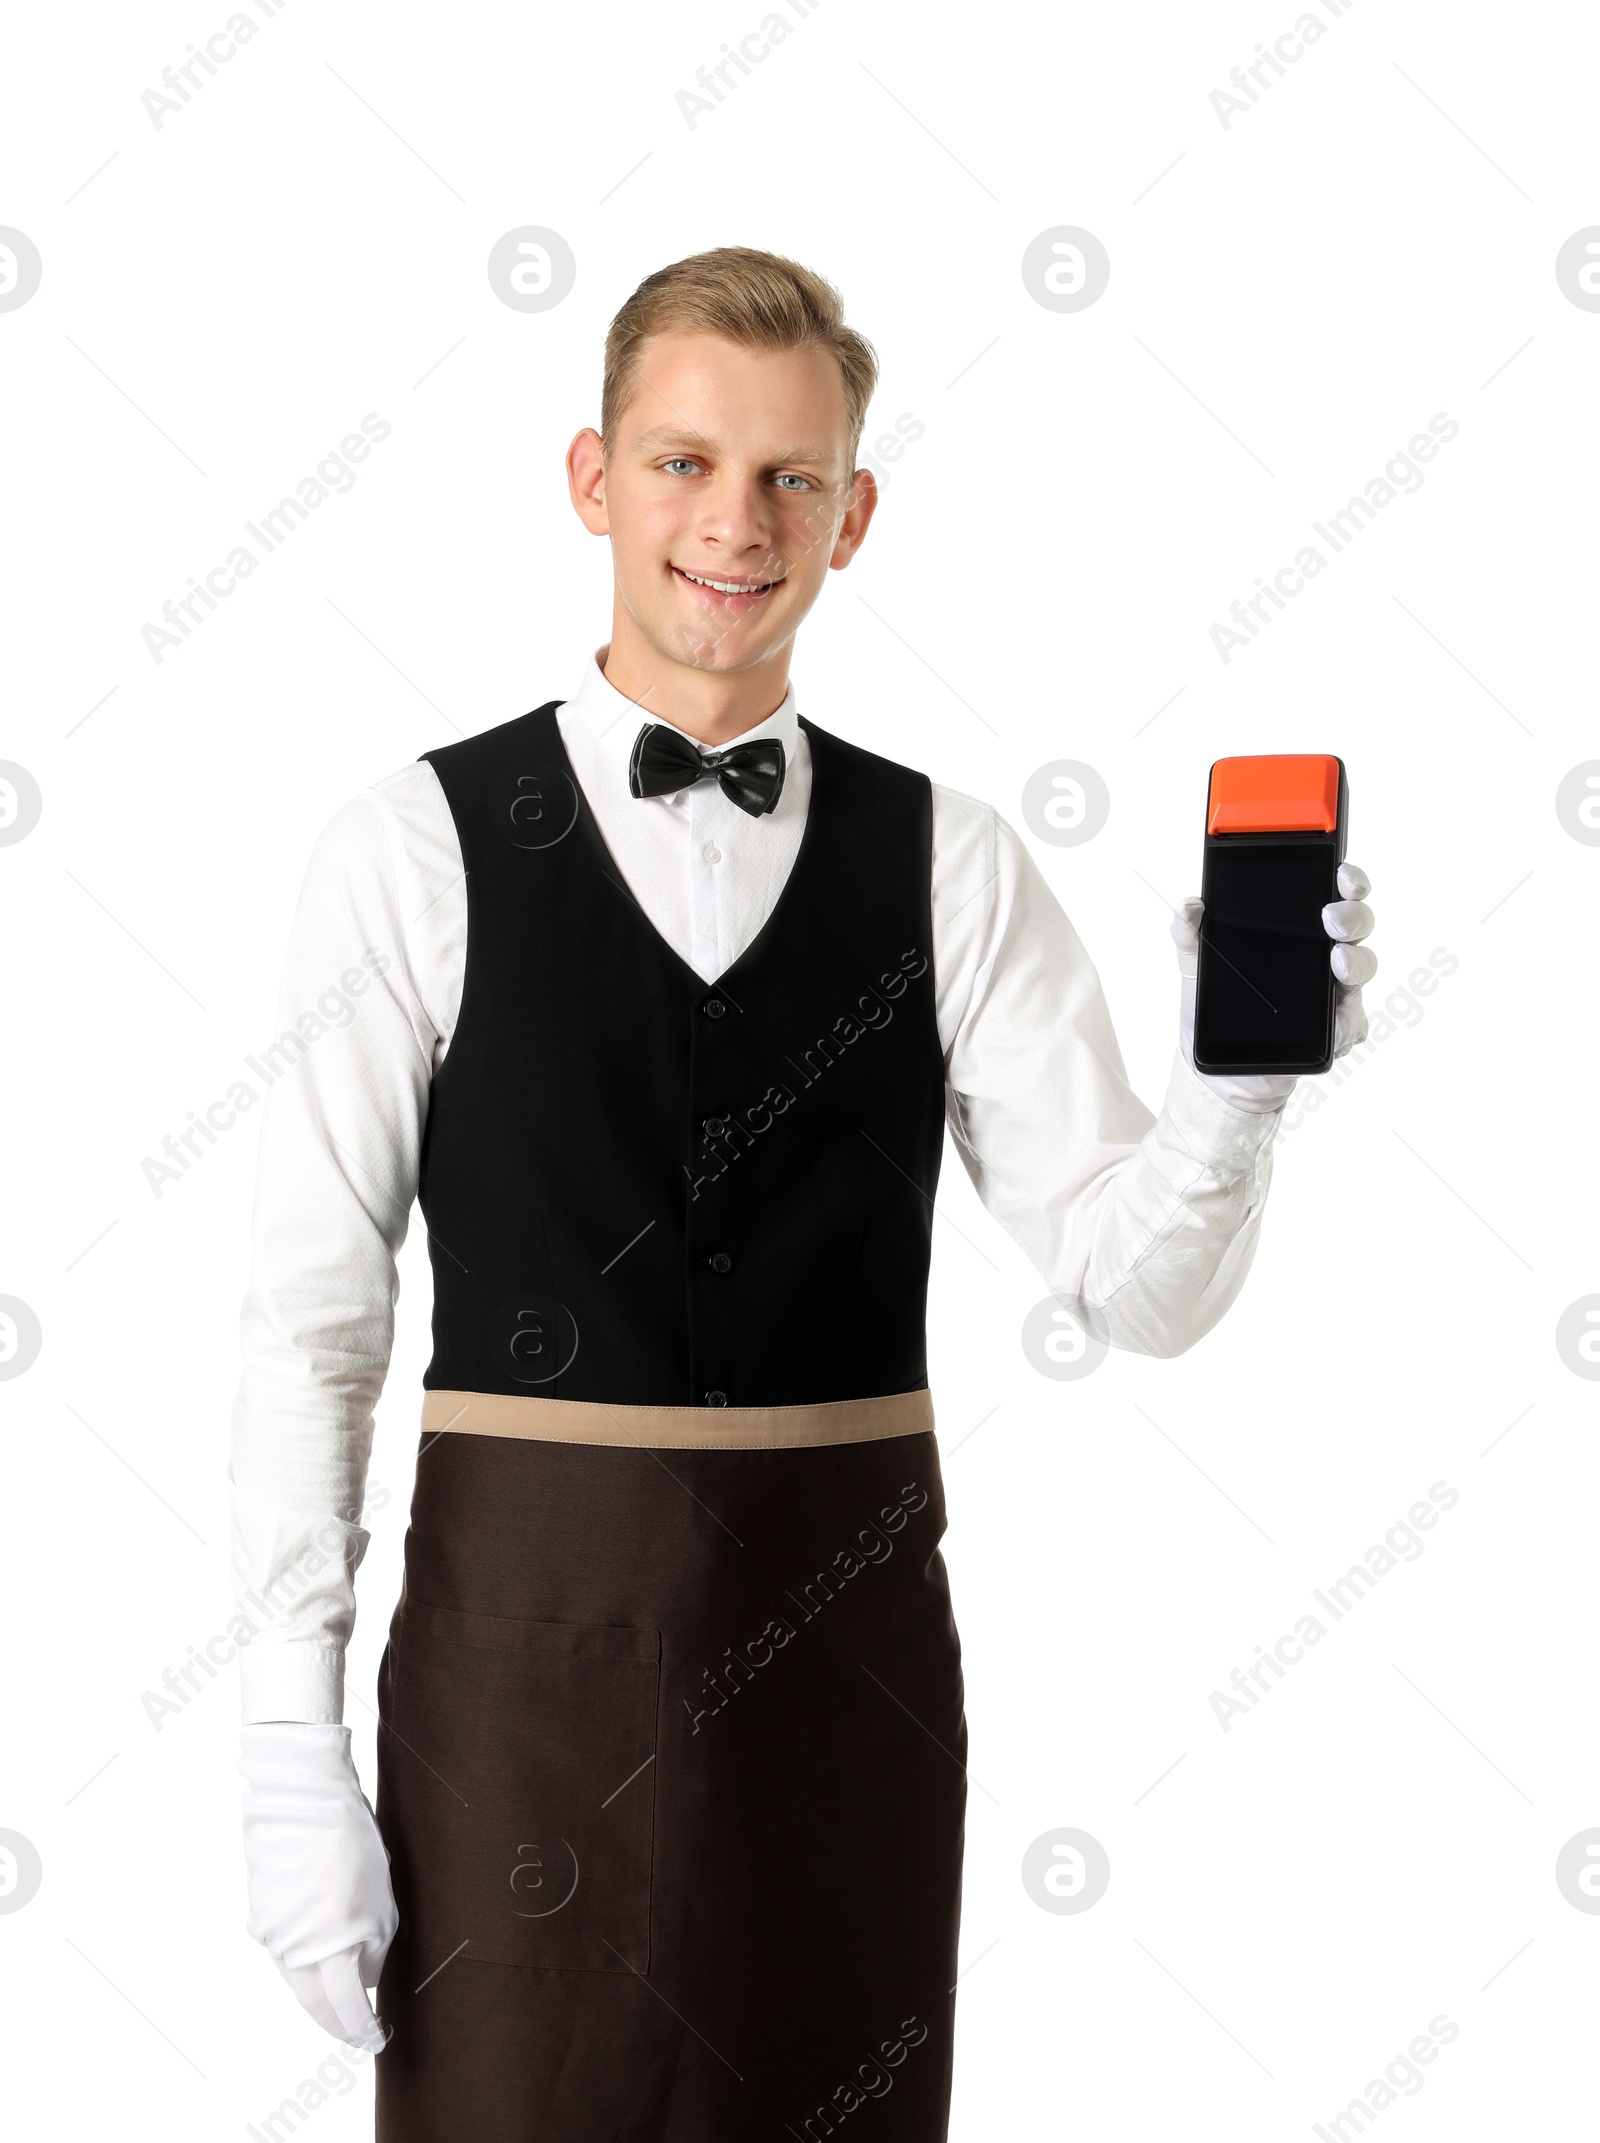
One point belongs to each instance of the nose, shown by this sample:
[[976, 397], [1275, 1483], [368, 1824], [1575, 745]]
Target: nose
[[735, 521]]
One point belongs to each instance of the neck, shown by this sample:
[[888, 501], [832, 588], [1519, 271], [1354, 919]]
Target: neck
[[713, 706]]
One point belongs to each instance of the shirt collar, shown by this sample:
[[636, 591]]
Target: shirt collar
[[615, 720]]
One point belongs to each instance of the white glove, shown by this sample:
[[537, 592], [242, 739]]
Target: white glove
[[1347, 922], [318, 1874]]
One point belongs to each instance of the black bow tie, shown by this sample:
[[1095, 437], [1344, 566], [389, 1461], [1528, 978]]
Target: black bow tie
[[749, 775]]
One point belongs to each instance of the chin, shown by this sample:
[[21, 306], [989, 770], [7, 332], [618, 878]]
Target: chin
[[714, 651]]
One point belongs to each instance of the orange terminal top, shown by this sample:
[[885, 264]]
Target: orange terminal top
[[1293, 793]]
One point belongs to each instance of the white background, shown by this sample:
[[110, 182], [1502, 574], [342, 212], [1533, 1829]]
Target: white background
[[1290, 301]]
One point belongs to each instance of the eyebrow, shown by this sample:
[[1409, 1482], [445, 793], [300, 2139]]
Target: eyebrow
[[671, 435]]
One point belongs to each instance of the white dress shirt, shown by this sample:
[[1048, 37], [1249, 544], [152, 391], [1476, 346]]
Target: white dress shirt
[[1148, 1223]]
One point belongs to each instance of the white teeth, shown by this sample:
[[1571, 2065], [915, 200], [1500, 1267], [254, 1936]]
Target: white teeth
[[727, 587]]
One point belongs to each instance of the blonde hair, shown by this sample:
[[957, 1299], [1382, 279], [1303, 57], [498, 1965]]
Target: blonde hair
[[759, 300]]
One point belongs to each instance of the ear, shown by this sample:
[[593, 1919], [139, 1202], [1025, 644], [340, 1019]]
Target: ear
[[858, 514], [586, 481]]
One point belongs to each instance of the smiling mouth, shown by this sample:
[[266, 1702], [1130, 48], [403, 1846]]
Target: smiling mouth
[[732, 590]]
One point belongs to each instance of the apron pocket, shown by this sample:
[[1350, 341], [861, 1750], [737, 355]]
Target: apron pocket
[[520, 1789]]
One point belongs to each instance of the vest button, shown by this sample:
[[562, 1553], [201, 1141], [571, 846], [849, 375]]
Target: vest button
[[713, 1008], [721, 1262], [716, 1398], [714, 1126]]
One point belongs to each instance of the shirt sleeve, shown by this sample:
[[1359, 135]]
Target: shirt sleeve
[[360, 1026], [1145, 1225]]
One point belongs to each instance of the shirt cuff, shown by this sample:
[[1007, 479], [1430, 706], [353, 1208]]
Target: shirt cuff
[[298, 1682], [1214, 1131]]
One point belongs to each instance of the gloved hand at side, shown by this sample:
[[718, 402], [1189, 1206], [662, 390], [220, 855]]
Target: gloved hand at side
[[317, 1872], [1347, 921]]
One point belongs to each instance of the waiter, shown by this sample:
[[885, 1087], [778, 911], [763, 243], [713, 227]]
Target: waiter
[[659, 1002]]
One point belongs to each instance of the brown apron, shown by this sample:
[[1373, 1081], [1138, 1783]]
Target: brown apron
[[671, 1774]]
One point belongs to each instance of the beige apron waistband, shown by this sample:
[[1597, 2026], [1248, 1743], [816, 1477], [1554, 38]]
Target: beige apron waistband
[[677, 1428]]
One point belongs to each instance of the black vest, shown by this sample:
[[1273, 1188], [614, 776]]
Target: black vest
[[646, 1189]]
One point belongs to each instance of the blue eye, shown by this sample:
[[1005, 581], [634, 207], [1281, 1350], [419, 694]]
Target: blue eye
[[679, 461], [792, 479]]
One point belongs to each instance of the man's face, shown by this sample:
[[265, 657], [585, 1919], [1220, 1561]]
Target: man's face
[[730, 466]]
